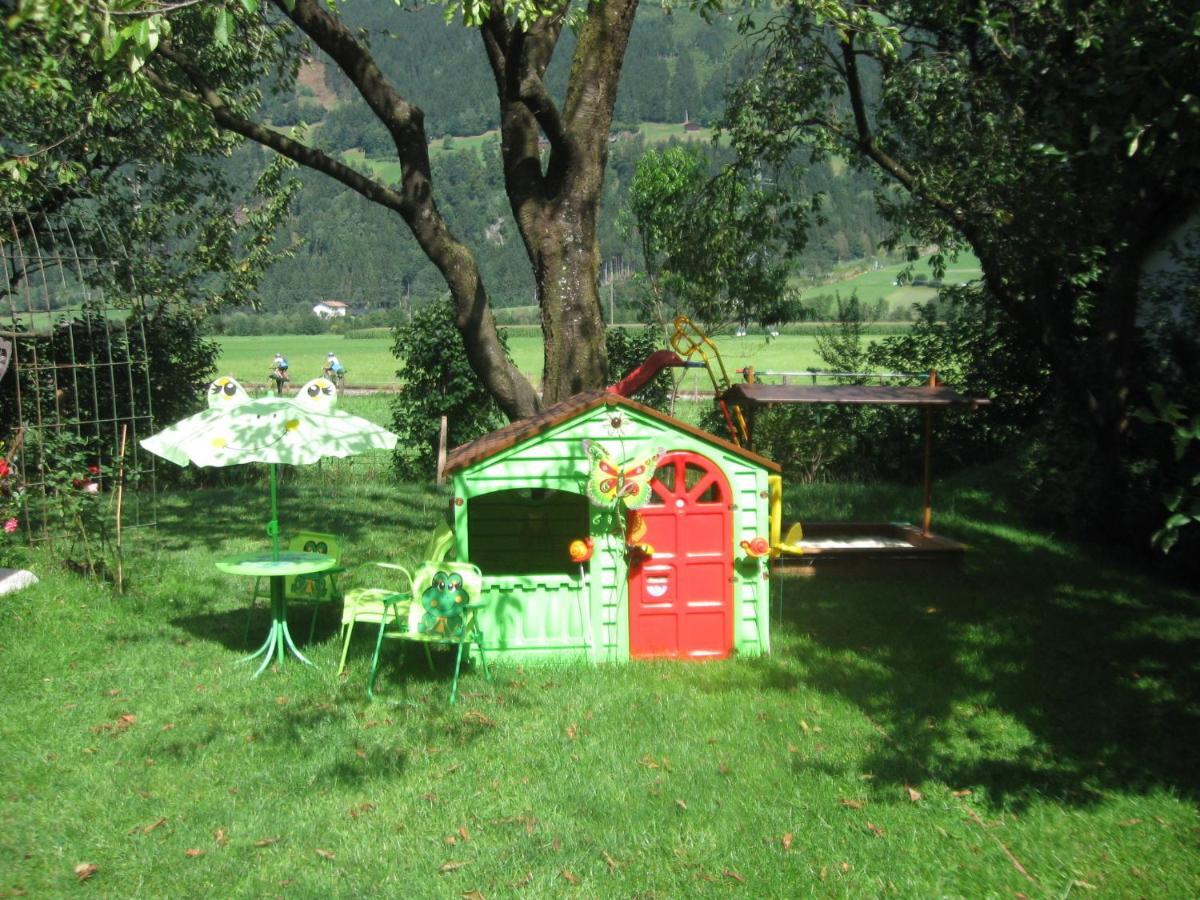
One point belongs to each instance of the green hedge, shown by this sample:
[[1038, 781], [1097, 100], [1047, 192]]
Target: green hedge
[[358, 334]]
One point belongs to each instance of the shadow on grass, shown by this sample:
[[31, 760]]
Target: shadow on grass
[[243, 629], [1039, 669], [364, 515]]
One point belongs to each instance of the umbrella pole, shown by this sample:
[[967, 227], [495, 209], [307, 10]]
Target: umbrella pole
[[273, 525]]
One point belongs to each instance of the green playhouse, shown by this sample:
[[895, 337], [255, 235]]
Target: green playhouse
[[606, 530]]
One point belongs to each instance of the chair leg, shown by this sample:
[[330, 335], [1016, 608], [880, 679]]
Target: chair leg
[[477, 638], [375, 660], [457, 666], [312, 626], [347, 630], [429, 657], [487, 676]]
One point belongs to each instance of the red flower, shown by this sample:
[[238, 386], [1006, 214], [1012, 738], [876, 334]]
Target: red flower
[[93, 470], [4, 468]]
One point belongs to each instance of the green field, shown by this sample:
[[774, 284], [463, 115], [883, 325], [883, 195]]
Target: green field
[[248, 358], [881, 283], [42, 320], [369, 361], [389, 170]]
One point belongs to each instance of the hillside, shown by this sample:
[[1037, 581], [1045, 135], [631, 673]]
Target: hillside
[[677, 66]]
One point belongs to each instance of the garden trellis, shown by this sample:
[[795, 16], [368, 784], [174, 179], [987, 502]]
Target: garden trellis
[[77, 384]]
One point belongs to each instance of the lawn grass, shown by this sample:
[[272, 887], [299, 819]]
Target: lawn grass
[[1026, 725]]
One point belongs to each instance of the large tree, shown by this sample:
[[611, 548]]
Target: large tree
[[1058, 140], [191, 59]]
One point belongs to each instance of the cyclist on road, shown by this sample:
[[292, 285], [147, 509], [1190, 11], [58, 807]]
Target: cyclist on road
[[279, 373], [334, 370]]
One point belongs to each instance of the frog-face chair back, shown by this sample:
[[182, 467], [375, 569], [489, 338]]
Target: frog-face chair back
[[445, 599], [316, 588]]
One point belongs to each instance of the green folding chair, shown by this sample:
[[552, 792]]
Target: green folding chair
[[316, 589], [375, 605], [371, 605], [442, 610], [440, 545]]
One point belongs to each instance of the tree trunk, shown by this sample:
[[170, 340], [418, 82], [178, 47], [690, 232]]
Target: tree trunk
[[555, 207], [567, 273]]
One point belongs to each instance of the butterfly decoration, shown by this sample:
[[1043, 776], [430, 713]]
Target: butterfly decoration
[[611, 482]]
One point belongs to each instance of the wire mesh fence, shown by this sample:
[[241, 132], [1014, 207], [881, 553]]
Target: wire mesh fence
[[76, 389]]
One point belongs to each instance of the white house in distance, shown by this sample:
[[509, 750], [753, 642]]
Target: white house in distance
[[327, 309]]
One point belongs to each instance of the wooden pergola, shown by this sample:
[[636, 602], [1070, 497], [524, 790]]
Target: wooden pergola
[[748, 396]]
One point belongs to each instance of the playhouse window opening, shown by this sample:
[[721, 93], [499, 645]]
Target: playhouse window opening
[[525, 531], [693, 476], [665, 475], [668, 483]]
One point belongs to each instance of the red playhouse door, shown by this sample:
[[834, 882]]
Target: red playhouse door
[[681, 598]]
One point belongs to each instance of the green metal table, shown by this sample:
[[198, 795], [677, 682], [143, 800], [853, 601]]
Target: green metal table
[[278, 567]]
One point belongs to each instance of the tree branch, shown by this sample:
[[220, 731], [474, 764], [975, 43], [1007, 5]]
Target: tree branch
[[295, 150], [404, 121], [414, 201], [865, 141]]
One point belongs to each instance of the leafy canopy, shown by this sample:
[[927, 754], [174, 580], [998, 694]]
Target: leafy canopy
[[714, 245]]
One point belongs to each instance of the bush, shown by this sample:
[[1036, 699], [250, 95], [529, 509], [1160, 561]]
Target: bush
[[75, 425], [360, 334], [980, 351], [438, 381]]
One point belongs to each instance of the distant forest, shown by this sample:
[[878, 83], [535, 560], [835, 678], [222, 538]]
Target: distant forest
[[350, 250]]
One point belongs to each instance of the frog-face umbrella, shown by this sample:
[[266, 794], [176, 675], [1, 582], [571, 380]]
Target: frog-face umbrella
[[297, 430]]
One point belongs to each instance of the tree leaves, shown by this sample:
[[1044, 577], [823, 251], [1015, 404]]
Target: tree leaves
[[711, 244]]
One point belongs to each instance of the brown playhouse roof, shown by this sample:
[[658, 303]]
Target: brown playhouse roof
[[515, 432], [852, 394]]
